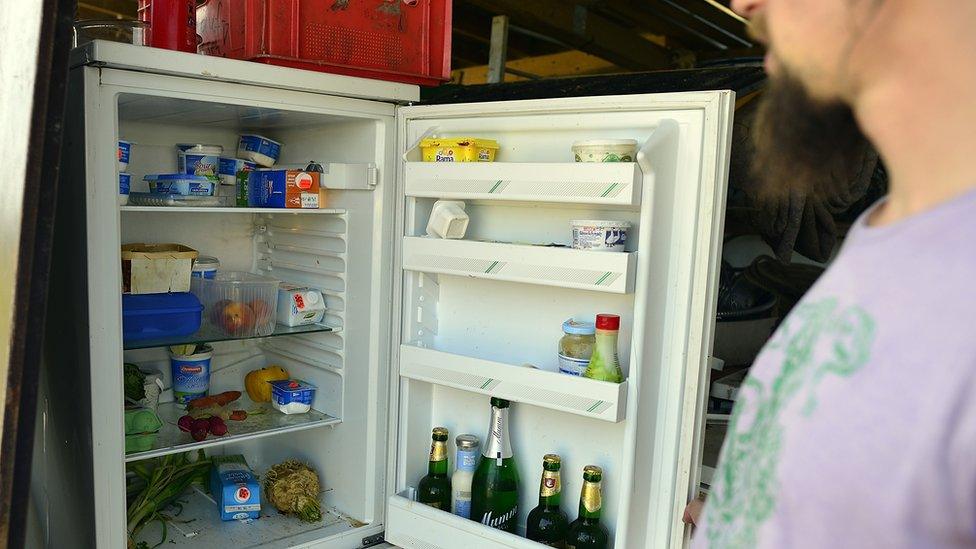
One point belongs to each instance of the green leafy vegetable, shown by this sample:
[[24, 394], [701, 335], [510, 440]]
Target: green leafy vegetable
[[166, 479], [133, 382]]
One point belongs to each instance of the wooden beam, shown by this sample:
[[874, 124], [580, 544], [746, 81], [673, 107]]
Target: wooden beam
[[583, 29], [498, 52]]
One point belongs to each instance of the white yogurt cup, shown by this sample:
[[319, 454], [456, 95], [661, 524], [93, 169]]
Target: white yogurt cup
[[605, 150], [599, 235]]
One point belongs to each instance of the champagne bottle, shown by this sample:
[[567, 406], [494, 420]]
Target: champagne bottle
[[547, 523], [586, 532], [494, 489], [435, 487]]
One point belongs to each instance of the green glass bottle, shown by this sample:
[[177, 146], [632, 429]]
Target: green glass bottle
[[547, 523], [586, 532], [494, 489], [435, 488]]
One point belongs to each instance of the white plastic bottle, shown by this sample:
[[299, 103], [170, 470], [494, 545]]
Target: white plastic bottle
[[466, 463]]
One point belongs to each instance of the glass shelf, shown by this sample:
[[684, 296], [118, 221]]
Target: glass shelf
[[209, 334]]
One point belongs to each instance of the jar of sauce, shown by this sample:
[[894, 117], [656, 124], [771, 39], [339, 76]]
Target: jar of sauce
[[576, 346]]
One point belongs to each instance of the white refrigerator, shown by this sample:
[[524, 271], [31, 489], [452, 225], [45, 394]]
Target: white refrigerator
[[419, 332]]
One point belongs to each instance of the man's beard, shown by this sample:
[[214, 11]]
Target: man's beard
[[802, 144]]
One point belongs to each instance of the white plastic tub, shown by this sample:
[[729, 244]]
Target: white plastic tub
[[605, 150], [258, 149], [198, 159], [599, 235], [448, 219]]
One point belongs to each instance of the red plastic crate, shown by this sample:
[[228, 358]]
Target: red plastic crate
[[399, 40]]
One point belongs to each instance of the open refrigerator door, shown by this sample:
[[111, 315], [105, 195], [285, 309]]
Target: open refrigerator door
[[481, 316]]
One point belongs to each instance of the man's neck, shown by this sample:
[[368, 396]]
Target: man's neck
[[923, 122]]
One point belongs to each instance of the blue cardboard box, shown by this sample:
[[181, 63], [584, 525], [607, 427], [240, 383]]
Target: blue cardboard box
[[235, 488]]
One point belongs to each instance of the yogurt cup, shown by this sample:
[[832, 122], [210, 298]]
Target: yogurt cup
[[605, 150], [205, 267], [599, 235], [198, 159], [258, 149], [191, 374], [230, 166], [181, 184], [125, 148], [124, 180]]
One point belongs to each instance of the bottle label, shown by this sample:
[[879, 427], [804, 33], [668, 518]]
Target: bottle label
[[462, 507], [591, 498], [550, 484], [467, 460], [498, 446], [500, 520], [572, 366], [438, 451]]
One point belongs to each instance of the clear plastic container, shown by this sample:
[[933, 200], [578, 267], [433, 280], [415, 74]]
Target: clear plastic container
[[237, 303]]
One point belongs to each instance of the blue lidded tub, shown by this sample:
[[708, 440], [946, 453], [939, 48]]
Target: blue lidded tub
[[198, 159], [259, 149], [182, 184], [125, 148], [229, 168], [292, 396], [124, 180]]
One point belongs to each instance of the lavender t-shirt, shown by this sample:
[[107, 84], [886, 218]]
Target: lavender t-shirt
[[857, 424]]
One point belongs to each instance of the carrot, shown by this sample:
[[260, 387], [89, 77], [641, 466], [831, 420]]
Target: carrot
[[238, 415], [219, 400]]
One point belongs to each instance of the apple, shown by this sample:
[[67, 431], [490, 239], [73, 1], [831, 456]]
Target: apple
[[217, 310], [237, 319], [262, 311]]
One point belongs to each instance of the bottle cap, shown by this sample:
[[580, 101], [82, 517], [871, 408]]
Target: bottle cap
[[607, 322], [551, 462], [577, 327], [439, 434], [467, 442], [592, 473], [499, 402]]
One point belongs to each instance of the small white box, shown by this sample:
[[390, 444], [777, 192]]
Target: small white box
[[299, 305]]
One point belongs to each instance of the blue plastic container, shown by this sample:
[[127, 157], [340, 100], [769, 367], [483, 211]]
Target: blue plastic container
[[124, 180], [259, 149], [286, 392], [181, 184], [154, 316], [199, 159]]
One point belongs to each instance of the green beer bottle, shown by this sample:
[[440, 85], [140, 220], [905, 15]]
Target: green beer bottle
[[547, 523], [586, 532], [435, 488], [494, 489]]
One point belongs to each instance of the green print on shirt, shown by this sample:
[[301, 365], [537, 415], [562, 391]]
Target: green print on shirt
[[817, 339]]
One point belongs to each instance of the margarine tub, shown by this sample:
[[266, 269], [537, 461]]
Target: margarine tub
[[459, 149]]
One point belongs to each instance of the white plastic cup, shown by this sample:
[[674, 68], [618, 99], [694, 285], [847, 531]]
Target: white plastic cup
[[448, 219], [599, 235]]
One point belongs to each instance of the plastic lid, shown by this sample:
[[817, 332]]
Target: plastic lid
[[467, 442], [175, 176], [199, 148], [206, 262], [174, 302], [459, 142], [599, 223], [607, 322], [606, 143], [576, 327]]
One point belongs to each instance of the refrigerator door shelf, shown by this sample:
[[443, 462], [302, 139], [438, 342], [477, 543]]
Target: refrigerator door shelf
[[561, 267], [563, 392], [403, 515], [610, 183]]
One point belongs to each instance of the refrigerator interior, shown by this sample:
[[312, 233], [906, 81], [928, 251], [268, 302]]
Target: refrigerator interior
[[338, 250], [471, 329]]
